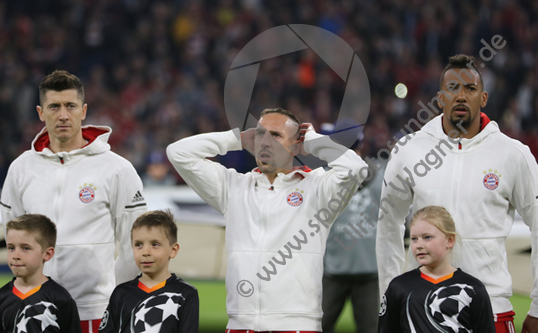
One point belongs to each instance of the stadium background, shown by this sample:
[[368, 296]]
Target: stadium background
[[154, 70]]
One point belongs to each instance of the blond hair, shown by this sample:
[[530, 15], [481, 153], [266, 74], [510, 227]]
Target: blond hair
[[437, 216]]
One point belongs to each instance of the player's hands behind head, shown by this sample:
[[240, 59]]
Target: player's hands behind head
[[304, 128], [247, 140]]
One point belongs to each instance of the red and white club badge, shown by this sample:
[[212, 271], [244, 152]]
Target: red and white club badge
[[491, 181], [87, 193], [294, 199]]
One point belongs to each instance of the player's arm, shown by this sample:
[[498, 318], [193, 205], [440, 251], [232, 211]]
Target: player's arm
[[188, 314], [396, 198], [69, 320], [10, 202], [345, 165], [127, 203], [525, 200], [208, 179]]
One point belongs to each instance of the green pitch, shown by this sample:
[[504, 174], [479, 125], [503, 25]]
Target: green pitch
[[213, 316]]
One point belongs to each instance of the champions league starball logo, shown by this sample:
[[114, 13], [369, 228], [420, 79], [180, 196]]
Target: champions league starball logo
[[286, 39], [37, 316], [148, 316], [445, 306]]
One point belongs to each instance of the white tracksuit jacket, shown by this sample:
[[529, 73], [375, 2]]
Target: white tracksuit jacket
[[93, 195], [260, 221], [481, 183]]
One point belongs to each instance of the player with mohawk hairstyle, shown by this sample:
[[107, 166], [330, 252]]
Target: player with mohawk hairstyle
[[480, 176]]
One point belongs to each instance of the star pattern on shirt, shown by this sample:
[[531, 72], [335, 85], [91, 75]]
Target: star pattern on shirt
[[168, 308], [47, 318], [462, 298]]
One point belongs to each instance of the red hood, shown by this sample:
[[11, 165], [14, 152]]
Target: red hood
[[484, 120], [88, 133]]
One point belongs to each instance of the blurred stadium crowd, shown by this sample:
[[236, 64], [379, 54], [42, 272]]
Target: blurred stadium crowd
[[154, 70]]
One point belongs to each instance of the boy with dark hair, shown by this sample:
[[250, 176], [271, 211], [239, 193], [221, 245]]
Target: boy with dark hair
[[33, 302], [155, 301]]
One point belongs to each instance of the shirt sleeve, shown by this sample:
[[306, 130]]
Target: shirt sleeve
[[127, 203], [525, 200], [398, 196], [189, 314], [111, 317], [344, 177], [481, 311], [69, 320], [189, 156], [389, 313], [10, 202]]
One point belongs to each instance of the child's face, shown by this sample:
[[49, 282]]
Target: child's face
[[25, 255], [429, 245], [152, 251]]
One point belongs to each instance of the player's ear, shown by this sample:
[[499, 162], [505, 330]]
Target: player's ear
[[48, 254], [40, 112], [295, 148], [440, 104], [84, 109], [483, 99], [175, 249]]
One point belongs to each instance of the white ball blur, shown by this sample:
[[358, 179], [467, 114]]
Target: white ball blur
[[400, 90]]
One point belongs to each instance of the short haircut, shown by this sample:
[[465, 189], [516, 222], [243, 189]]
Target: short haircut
[[437, 216], [285, 113], [60, 80], [43, 229], [158, 219], [461, 61]]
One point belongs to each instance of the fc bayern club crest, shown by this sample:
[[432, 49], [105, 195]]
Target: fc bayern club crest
[[294, 199], [491, 181], [87, 193]]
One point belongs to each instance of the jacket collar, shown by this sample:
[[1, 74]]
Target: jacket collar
[[97, 137], [487, 127], [282, 180]]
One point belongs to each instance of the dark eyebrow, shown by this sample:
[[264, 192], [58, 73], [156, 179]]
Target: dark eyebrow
[[450, 84], [275, 132]]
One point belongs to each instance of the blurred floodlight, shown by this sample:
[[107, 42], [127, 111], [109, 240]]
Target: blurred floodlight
[[400, 90]]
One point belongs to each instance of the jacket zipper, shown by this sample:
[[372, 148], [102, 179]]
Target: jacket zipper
[[456, 172], [57, 197]]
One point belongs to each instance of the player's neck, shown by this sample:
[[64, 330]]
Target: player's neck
[[437, 271], [459, 131], [76, 143], [25, 284], [151, 281], [272, 176]]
